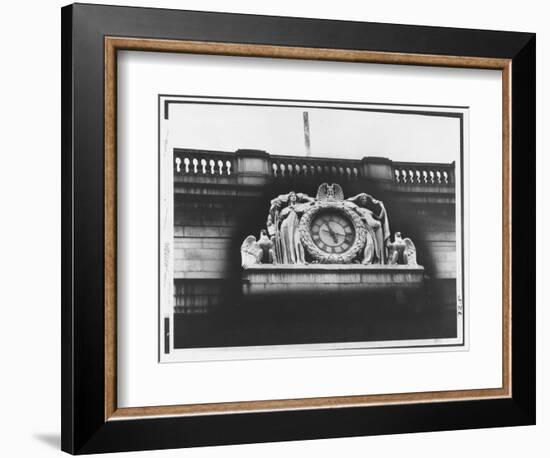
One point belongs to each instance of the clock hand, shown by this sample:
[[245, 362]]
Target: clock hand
[[335, 232], [332, 233]]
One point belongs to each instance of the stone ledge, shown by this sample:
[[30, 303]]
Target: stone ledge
[[331, 267], [327, 278]]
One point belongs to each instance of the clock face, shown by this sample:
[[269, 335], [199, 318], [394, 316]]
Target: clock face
[[332, 231]]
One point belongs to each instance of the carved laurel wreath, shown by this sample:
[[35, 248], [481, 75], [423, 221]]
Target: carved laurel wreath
[[342, 258]]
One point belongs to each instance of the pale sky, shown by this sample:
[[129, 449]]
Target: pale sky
[[333, 132]]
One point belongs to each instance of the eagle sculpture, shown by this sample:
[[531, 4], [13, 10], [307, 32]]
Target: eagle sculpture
[[330, 192], [257, 252], [402, 251]]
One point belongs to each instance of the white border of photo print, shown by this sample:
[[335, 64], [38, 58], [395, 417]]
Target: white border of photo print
[[338, 131], [142, 77]]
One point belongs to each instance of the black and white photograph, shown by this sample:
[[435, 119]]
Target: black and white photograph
[[275, 229], [293, 228]]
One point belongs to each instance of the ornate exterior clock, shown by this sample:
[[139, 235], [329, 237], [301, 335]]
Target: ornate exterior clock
[[328, 230], [332, 232]]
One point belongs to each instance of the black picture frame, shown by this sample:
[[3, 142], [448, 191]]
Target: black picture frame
[[84, 426]]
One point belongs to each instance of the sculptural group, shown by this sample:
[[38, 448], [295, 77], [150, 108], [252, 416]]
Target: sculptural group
[[289, 237]]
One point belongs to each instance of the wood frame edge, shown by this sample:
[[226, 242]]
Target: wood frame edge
[[110, 235], [111, 46], [294, 52], [334, 402], [507, 227]]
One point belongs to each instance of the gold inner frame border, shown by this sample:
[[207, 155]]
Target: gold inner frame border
[[114, 44]]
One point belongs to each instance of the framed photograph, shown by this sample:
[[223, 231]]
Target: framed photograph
[[281, 228], [269, 255]]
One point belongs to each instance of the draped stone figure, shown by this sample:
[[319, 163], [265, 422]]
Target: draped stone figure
[[282, 224], [375, 217]]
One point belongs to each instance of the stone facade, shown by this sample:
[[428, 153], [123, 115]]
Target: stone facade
[[221, 197]]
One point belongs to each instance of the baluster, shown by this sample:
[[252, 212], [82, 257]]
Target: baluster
[[355, 173], [424, 176], [432, 177], [195, 165], [203, 165], [404, 176], [417, 172], [312, 170], [186, 161], [348, 173], [411, 177], [178, 162], [438, 175], [283, 169], [396, 174], [297, 169], [445, 177], [211, 163], [304, 170], [228, 165], [274, 168], [220, 167]]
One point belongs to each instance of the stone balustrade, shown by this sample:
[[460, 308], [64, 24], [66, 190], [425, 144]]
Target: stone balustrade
[[424, 174], [288, 166], [256, 167], [205, 163]]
